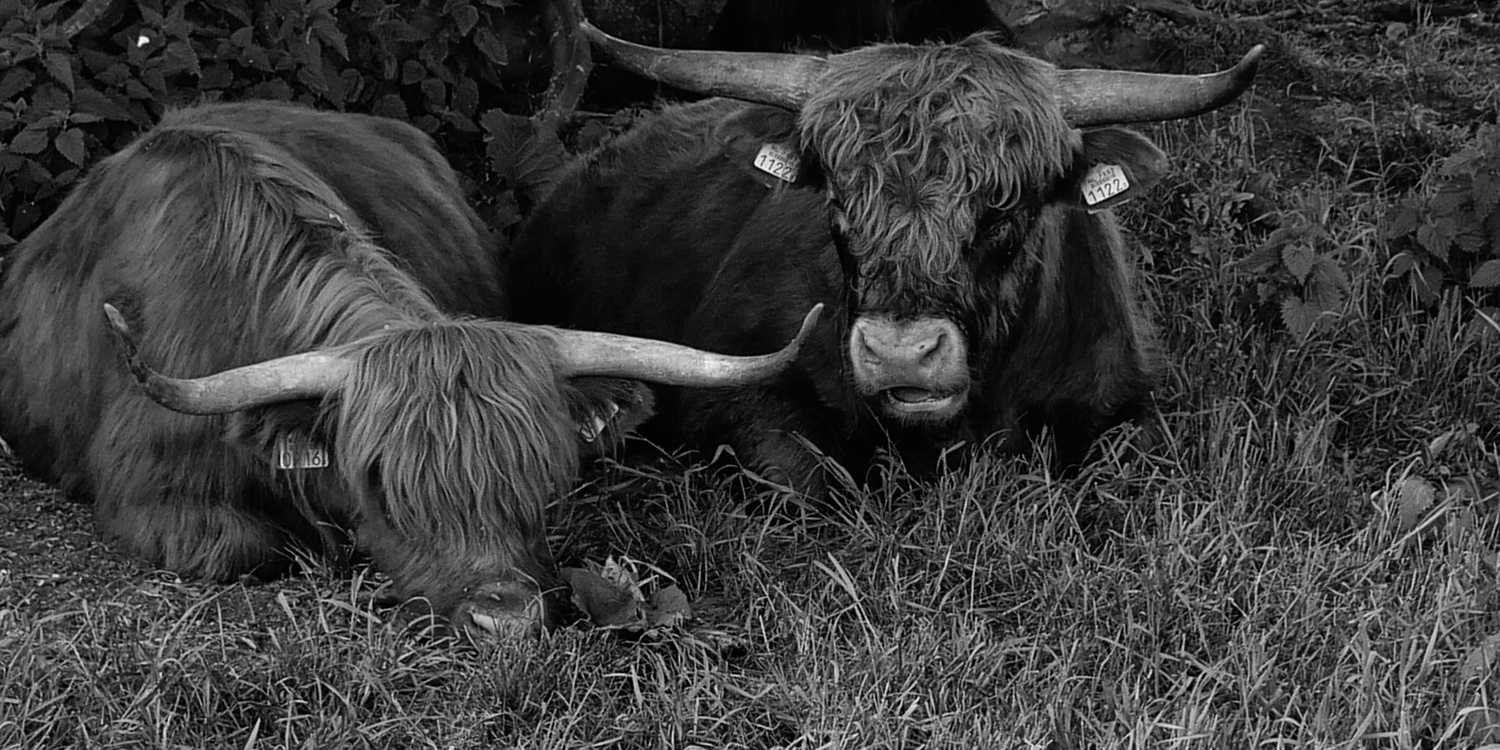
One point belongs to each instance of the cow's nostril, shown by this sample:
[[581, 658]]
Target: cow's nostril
[[863, 348], [929, 348]]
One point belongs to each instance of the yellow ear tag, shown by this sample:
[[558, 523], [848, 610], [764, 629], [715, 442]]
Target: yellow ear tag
[[1103, 181], [779, 161]]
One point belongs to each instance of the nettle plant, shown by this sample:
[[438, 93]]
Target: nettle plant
[[1296, 270], [79, 81], [1450, 237]]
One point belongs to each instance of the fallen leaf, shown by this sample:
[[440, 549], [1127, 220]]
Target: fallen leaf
[[1414, 496], [606, 603], [669, 608], [622, 577]]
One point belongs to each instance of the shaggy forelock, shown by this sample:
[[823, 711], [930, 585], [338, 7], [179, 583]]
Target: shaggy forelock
[[918, 141], [455, 430]]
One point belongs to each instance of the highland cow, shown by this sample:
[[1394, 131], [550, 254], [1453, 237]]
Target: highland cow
[[947, 202], [321, 279]]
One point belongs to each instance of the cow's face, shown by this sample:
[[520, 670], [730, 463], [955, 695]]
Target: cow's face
[[452, 438], [939, 163]]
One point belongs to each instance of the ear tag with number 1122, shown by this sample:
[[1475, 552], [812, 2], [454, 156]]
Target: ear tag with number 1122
[[1103, 181]]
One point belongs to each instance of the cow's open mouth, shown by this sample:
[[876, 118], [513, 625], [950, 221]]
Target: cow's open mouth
[[907, 401]]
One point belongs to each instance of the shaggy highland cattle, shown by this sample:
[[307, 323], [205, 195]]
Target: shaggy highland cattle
[[947, 202], [799, 25], [314, 273]]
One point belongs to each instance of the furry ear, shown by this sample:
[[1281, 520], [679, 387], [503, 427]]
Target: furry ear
[[762, 141], [605, 410], [291, 435], [1113, 166]]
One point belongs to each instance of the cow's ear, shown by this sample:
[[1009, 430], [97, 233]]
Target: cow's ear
[[762, 142], [1113, 166]]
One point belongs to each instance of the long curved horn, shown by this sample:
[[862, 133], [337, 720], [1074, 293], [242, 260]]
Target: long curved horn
[[307, 375], [783, 80], [591, 353], [1103, 97]]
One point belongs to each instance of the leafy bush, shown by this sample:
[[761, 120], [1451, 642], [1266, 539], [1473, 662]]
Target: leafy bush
[[1296, 271], [78, 88], [1452, 236]]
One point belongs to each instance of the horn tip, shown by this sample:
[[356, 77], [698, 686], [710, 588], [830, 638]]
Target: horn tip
[[131, 353], [1248, 64], [808, 321], [116, 320], [123, 334]]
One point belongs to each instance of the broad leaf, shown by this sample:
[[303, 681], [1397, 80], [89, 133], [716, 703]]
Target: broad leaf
[[435, 93], [1427, 282], [1299, 317], [1486, 275], [69, 143], [390, 105], [1462, 162], [529, 157], [1414, 496], [60, 67], [29, 141], [1327, 284], [1486, 194], [605, 602], [1401, 221], [668, 608], [413, 71], [1298, 259], [180, 59], [1433, 241], [14, 82], [1401, 263], [1451, 199], [1260, 261], [465, 18], [491, 46], [89, 101]]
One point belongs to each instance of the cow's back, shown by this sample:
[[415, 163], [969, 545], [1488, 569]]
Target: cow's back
[[423, 218], [140, 230], [637, 236]]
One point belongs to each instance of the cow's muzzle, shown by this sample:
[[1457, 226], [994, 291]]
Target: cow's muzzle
[[917, 369]]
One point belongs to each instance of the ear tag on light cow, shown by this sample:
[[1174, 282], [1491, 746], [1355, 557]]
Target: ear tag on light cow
[[295, 451], [779, 161], [1103, 181]]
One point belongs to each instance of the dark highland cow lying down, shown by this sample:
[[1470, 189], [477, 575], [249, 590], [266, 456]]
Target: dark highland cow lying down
[[947, 202], [313, 272]]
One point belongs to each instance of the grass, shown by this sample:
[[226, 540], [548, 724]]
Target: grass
[[1311, 558]]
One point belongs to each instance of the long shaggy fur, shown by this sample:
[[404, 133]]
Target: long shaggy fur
[[454, 429], [911, 175], [237, 233]]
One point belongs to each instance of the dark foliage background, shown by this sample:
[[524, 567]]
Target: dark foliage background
[[78, 80]]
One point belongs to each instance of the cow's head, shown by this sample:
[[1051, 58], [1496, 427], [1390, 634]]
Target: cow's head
[[448, 438], [940, 163]]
